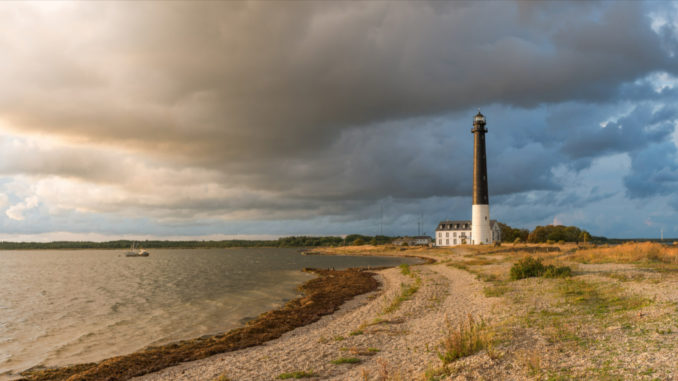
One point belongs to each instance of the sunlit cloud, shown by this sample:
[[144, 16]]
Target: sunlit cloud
[[16, 211]]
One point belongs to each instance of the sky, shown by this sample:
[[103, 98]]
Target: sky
[[213, 120]]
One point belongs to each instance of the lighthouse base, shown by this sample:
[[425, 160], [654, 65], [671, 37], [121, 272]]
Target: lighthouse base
[[481, 234]]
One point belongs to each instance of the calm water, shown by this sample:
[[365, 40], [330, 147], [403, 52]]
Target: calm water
[[63, 307]]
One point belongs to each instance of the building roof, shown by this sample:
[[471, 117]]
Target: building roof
[[459, 225]]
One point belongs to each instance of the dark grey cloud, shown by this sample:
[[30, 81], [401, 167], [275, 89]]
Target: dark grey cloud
[[654, 171], [642, 126]]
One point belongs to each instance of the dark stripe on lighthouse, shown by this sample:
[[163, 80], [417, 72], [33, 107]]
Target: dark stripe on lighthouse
[[480, 195]]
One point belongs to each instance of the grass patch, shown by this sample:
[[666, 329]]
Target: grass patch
[[464, 340], [405, 269], [356, 332], [406, 291], [298, 374], [632, 252], [598, 299], [346, 360], [495, 290], [459, 265]]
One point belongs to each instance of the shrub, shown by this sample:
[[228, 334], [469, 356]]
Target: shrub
[[527, 268], [530, 267], [557, 272]]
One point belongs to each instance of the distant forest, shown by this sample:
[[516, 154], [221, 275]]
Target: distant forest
[[300, 241]]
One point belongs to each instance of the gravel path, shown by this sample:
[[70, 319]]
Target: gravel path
[[402, 343]]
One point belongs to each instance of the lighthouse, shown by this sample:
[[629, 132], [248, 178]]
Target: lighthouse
[[480, 212], [480, 230]]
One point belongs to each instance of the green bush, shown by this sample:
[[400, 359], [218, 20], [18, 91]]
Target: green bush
[[527, 268], [530, 267]]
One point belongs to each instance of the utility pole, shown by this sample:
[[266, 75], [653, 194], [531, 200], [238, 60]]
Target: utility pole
[[381, 219]]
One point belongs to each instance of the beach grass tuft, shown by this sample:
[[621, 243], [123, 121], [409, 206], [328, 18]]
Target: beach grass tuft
[[346, 360], [464, 340]]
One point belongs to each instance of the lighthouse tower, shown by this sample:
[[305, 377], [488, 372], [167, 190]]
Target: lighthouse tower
[[480, 213]]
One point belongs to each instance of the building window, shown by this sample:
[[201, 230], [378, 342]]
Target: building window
[[454, 234], [440, 242], [447, 234], [447, 242], [440, 234], [455, 241]]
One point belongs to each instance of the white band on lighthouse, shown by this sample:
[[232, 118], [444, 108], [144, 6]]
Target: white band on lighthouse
[[480, 225]]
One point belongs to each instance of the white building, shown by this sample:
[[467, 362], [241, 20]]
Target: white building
[[453, 233], [413, 241]]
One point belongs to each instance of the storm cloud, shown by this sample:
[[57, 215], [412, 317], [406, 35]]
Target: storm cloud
[[276, 111]]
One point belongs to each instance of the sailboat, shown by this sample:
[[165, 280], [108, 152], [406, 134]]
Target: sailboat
[[136, 252]]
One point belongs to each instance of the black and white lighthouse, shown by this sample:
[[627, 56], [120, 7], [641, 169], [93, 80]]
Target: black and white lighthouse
[[480, 213], [480, 230]]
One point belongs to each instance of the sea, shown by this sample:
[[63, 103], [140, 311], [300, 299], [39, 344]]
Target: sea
[[60, 307]]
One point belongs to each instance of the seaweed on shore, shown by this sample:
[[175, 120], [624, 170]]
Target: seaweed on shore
[[322, 296]]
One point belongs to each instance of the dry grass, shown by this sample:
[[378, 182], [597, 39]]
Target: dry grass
[[466, 339], [640, 252]]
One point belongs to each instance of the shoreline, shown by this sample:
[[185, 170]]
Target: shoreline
[[394, 333], [321, 296]]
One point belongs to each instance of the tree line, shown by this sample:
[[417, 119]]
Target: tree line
[[542, 234]]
